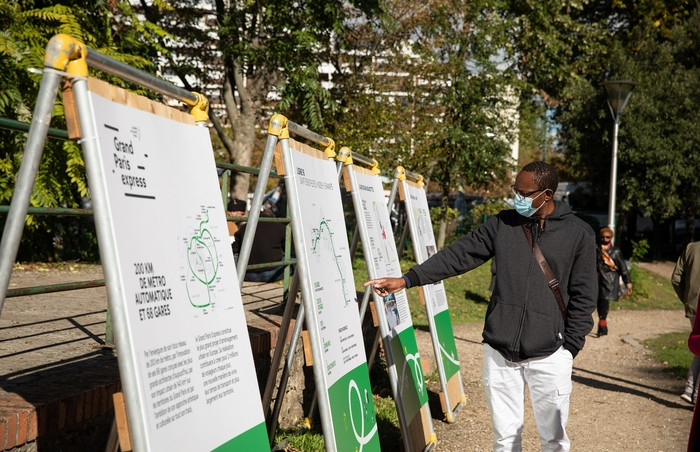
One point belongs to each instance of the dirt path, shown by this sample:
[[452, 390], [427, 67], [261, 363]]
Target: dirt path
[[622, 398]]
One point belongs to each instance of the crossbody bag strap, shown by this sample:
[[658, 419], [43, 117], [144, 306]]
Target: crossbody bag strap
[[552, 281]]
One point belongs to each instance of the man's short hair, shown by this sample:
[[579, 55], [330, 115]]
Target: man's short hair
[[545, 176]]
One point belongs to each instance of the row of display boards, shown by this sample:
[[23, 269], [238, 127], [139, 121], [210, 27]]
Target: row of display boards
[[184, 353]]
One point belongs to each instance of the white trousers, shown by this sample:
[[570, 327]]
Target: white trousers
[[549, 381]]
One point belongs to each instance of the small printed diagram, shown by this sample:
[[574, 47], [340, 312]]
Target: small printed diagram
[[392, 311], [202, 263], [383, 252], [324, 249], [423, 219]]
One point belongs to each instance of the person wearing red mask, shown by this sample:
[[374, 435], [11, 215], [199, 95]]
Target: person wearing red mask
[[611, 266]]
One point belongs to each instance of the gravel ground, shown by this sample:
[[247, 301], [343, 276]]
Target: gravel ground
[[622, 398]]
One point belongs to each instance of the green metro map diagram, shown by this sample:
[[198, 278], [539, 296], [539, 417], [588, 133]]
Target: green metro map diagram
[[318, 234], [202, 262]]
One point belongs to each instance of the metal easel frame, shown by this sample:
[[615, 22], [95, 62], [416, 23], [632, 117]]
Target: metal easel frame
[[69, 58], [451, 409], [279, 133], [349, 158]]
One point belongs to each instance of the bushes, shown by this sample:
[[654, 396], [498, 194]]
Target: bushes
[[480, 213], [58, 238]]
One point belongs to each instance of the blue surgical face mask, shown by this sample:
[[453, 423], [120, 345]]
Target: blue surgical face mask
[[524, 205]]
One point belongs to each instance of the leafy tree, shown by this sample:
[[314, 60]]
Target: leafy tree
[[440, 116], [109, 27], [378, 84], [257, 57], [475, 94], [554, 43], [664, 123], [423, 87], [660, 128]]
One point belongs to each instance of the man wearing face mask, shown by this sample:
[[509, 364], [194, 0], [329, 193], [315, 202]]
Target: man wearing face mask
[[529, 338]]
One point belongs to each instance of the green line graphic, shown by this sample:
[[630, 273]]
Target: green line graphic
[[202, 262], [317, 238]]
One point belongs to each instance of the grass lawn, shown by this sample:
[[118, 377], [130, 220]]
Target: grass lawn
[[468, 294]]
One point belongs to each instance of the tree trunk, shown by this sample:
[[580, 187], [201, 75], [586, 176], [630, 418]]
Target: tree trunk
[[242, 114], [442, 232], [244, 130], [442, 228]]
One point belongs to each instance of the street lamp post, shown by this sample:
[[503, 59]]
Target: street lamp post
[[619, 92]]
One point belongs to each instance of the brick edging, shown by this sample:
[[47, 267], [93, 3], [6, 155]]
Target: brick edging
[[22, 422]]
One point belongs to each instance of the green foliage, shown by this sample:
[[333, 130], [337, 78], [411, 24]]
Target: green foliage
[[474, 96], [109, 27], [387, 419], [258, 57], [450, 217], [639, 250], [428, 94], [533, 140], [547, 58], [303, 96], [651, 291], [481, 212], [662, 152], [660, 127], [672, 350], [306, 441]]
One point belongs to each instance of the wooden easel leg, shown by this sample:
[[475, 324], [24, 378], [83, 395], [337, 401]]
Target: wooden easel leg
[[119, 438]]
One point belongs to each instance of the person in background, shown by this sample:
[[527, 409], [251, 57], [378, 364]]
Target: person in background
[[235, 208], [277, 201], [611, 267], [686, 282], [529, 340], [694, 346], [268, 246]]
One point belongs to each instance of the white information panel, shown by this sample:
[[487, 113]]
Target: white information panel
[[435, 299], [393, 312], [184, 315], [330, 301]]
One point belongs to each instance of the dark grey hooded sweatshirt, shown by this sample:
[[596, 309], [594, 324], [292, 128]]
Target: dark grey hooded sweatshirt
[[523, 319]]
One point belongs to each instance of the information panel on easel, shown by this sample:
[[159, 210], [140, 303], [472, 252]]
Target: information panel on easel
[[395, 324], [330, 299], [184, 318], [434, 298]]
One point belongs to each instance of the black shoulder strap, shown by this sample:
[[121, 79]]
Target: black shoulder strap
[[551, 279]]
